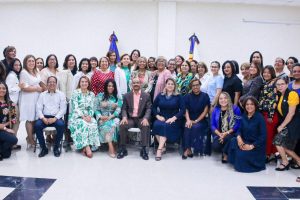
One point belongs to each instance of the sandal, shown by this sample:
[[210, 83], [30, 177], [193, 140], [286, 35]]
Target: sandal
[[158, 158], [295, 166], [285, 167]]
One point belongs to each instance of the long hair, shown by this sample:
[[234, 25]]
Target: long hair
[[88, 80], [115, 92], [138, 61], [89, 65], [2, 72], [109, 53], [6, 97], [175, 92], [11, 67], [47, 60], [65, 65], [229, 114], [25, 63]]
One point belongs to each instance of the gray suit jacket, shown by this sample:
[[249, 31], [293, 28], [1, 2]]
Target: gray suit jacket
[[144, 110]]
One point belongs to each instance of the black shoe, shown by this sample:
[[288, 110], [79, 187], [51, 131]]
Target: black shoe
[[223, 160], [144, 154], [285, 167], [1, 157], [184, 157], [56, 152], [122, 153], [191, 155], [17, 147], [295, 166], [43, 152]]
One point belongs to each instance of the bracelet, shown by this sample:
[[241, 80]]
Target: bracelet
[[4, 128]]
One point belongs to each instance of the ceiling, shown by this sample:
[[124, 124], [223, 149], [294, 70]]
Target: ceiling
[[250, 2]]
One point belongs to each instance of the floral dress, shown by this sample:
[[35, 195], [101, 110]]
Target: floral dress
[[183, 83], [8, 113], [108, 130], [83, 133]]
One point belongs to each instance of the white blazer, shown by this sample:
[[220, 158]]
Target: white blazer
[[121, 82], [66, 83]]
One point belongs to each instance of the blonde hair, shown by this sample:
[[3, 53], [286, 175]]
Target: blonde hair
[[229, 114], [175, 92]]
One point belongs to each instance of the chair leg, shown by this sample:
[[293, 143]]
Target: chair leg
[[35, 143]]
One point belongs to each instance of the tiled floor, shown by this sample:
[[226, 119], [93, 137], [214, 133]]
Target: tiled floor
[[75, 177]]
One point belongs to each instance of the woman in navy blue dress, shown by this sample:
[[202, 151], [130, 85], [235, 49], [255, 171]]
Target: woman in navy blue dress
[[196, 132], [168, 109], [247, 152]]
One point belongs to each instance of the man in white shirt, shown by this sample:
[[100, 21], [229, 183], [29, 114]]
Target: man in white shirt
[[50, 109]]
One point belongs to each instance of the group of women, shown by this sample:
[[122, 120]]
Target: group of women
[[248, 118]]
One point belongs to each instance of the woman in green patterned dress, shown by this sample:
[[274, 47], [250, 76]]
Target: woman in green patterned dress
[[108, 107], [184, 78], [82, 124]]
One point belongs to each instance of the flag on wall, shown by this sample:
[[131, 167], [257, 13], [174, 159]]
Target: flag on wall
[[193, 39], [113, 45]]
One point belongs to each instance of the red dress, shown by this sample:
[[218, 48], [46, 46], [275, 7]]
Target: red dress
[[98, 80]]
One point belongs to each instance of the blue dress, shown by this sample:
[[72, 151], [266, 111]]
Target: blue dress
[[168, 107], [197, 137], [253, 131]]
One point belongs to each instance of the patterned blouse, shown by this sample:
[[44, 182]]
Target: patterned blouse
[[268, 98], [8, 113], [98, 80], [183, 83]]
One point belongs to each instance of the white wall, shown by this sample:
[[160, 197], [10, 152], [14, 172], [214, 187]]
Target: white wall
[[84, 28]]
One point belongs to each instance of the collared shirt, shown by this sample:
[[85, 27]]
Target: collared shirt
[[136, 101], [53, 104]]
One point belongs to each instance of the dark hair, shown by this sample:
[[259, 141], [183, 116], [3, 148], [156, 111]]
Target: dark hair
[[271, 70], [231, 66], [65, 65], [115, 92], [88, 80], [253, 99], [195, 61], [181, 57], [126, 54], [51, 77], [8, 49], [6, 97], [219, 65], [89, 65], [193, 80], [138, 51], [236, 66], [47, 59], [40, 59], [11, 67], [2, 71], [109, 53], [188, 63], [257, 68], [151, 58], [261, 57], [296, 65], [292, 58]]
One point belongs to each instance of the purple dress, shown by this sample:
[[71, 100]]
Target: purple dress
[[168, 106]]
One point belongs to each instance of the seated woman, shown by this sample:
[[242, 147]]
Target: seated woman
[[7, 118], [225, 121], [168, 108], [108, 107], [288, 130], [82, 124], [247, 151], [196, 132]]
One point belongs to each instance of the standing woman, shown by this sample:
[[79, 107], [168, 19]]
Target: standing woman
[[84, 70], [108, 107], [2, 71], [82, 123], [247, 151], [214, 83], [179, 60], [29, 95], [267, 105], [245, 70], [184, 77], [257, 59], [254, 85], [14, 88], [232, 84], [40, 63], [168, 109], [225, 122], [151, 64], [51, 69], [202, 75], [66, 77], [94, 65], [112, 60], [7, 118], [194, 67], [122, 75], [143, 74], [159, 77], [135, 54], [289, 63], [101, 75], [171, 68], [288, 130], [196, 127]]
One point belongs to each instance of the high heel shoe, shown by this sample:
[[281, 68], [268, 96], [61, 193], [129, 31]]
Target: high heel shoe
[[223, 160], [158, 158], [285, 167]]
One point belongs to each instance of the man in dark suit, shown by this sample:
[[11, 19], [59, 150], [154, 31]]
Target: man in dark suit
[[136, 113]]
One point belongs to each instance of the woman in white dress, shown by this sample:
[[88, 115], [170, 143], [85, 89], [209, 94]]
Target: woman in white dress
[[29, 94], [84, 70]]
